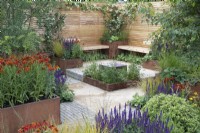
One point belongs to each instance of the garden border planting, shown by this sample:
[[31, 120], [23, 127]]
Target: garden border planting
[[108, 87], [12, 118], [68, 63]]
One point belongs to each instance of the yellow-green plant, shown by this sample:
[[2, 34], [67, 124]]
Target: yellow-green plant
[[151, 83], [180, 113], [58, 49], [80, 128]]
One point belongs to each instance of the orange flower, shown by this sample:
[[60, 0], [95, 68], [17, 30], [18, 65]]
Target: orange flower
[[26, 69], [50, 68], [54, 129]]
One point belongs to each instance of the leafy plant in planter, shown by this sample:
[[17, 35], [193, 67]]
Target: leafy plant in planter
[[62, 89], [93, 56], [27, 84], [69, 49], [112, 74], [116, 20], [29, 78], [69, 53], [129, 58], [182, 115]]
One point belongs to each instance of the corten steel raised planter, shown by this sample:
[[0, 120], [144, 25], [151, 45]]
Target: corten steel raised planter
[[69, 63], [105, 86], [113, 48], [12, 118], [151, 64]]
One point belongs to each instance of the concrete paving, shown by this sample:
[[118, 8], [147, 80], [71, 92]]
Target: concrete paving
[[90, 99]]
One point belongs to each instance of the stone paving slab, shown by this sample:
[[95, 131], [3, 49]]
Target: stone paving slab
[[95, 98], [90, 99], [73, 113]]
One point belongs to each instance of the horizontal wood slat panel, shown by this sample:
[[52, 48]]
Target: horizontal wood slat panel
[[88, 26]]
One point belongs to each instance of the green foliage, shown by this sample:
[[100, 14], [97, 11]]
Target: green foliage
[[113, 39], [148, 57], [111, 74], [180, 67], [176, 73], [16, 23], [133, 72], [138, 101], [93, 56], [144, 0], [24, 43], [77, 52], [129, 58], [179, 30], [58, 49], [168, 60], [184, 117], [67, 95], [17, 88], [73, 52], [116, 20], [53, 24], [152, 85], [92, 71]]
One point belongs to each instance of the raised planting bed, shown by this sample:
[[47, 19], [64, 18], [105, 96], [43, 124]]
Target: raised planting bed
[[68, 63], [151, 64], [108, 87], [115, 65], [12, 118]]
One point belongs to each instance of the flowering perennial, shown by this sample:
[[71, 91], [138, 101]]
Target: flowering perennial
[[117, 121], [38, 127]]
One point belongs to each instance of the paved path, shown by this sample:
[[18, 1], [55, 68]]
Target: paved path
[[72, 112], [90, 99]]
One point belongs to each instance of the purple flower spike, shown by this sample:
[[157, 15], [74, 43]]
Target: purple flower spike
[[117, 122]]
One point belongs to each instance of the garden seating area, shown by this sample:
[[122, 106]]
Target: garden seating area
[[100, 66]]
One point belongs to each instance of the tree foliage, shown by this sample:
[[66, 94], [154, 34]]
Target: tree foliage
[[16, 17], [180, 28]]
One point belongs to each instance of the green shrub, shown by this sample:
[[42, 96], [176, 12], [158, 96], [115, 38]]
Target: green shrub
[[112, 74], [169, 60], [93, 71], [133, 72], [93, 56], [77, 52], [129, 58], [184, 117], [152, 85], [26, 79], [58, 49], [67, 95], [139, 101]]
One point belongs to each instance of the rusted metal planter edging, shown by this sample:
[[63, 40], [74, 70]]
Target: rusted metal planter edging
[[104, 86], [12, 118]]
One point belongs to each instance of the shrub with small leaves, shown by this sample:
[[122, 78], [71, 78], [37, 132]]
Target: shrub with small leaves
[[182, 115]]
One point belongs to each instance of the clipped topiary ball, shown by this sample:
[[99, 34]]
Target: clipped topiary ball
[[184, 117]]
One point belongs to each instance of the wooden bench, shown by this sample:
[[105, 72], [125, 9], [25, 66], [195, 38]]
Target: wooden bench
[[134, 49], [95, 47]]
